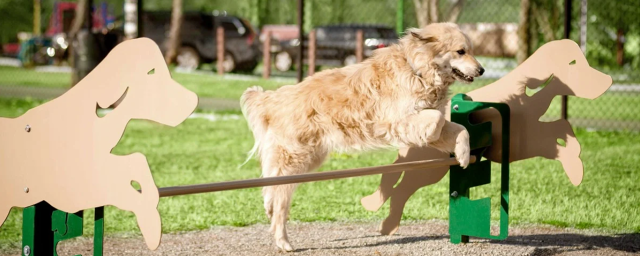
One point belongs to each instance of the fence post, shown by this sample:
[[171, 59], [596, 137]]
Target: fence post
[[359, 45], [266, 56], [312, 52], [220, 49], [300, 38], [567, 33]]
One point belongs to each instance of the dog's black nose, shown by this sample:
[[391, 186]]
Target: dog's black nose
[[481, 70]]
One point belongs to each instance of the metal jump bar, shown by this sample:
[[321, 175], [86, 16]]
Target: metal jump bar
[[308, 177]]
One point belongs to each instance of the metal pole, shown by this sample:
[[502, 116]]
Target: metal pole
[[300, 38], [567, 33], [139, 22], [400, 17], [308, 177], [88, 22]]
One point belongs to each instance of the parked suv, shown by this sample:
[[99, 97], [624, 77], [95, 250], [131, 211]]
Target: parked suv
[[198, 35], [336, 45]]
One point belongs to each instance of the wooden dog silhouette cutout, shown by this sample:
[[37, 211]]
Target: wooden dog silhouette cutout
[[60, 151], [562, 66]]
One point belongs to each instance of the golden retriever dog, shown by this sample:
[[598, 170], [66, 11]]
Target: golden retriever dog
[[395, 98]]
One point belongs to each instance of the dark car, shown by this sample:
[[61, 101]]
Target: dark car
[[198, 35], [336, 45]]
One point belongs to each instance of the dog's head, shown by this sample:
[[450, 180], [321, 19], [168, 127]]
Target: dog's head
[[136, 69], [564, 61], [442, 46]]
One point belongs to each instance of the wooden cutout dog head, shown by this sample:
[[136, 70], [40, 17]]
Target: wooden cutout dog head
[[59, 152], [564, 66], [559, 62]]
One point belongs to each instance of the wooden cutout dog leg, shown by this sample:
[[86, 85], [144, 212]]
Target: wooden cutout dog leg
[[568, 155], [419, 129], [374, 201], [136, 168], [411, 182], [386, 189], [4, 213]]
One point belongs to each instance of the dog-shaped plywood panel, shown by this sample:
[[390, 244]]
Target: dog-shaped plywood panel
[[60, 151], [563, 68]]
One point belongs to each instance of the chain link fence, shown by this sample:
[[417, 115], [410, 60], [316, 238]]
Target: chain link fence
[[607, 31]]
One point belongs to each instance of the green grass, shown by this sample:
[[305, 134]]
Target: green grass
[[29, 77], [200, 151], [204, 85]]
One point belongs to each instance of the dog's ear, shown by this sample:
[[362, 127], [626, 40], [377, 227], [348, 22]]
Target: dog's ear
[[427, 39]]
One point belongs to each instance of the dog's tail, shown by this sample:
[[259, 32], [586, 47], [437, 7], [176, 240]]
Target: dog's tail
[[250, 102]]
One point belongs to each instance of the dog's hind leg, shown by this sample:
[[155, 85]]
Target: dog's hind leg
[[280, 162]]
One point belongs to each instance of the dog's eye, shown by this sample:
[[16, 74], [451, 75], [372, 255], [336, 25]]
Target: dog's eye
[[151, 72], [461, 52]]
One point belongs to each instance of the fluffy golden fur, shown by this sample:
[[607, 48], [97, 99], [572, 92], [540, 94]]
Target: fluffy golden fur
[[394, 98]]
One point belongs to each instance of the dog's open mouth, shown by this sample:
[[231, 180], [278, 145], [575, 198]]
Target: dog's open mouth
[[461, 76]]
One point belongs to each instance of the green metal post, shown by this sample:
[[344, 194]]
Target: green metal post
[[98, 232], [473, 217], [43, 227], [37, 238], [400, 17]]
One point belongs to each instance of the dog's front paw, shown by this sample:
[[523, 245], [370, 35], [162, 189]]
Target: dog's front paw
[[462, 149]]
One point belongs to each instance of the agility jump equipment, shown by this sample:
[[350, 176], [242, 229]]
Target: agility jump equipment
[[44, 226], [53, 217]]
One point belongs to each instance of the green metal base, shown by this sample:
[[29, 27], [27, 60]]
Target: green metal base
[[473, 217], [43, 227]]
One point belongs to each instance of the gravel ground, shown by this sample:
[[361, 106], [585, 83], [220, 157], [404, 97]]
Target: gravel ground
[[415, 238]]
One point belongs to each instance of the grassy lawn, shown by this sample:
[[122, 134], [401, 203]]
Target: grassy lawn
[[204, 85], [200, 151]]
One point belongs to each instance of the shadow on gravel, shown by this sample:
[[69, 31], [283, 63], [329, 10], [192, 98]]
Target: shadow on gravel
[[620, 242]]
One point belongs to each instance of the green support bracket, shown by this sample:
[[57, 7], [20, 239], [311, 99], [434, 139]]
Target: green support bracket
[[473, 217], [43, 227]]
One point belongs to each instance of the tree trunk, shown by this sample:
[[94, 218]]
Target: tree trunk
[[174, 32], [78, 20], [543, 21], [523, 31], [76, 25], [455, 11], [619, 47], [422, 12], [433, 11]]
